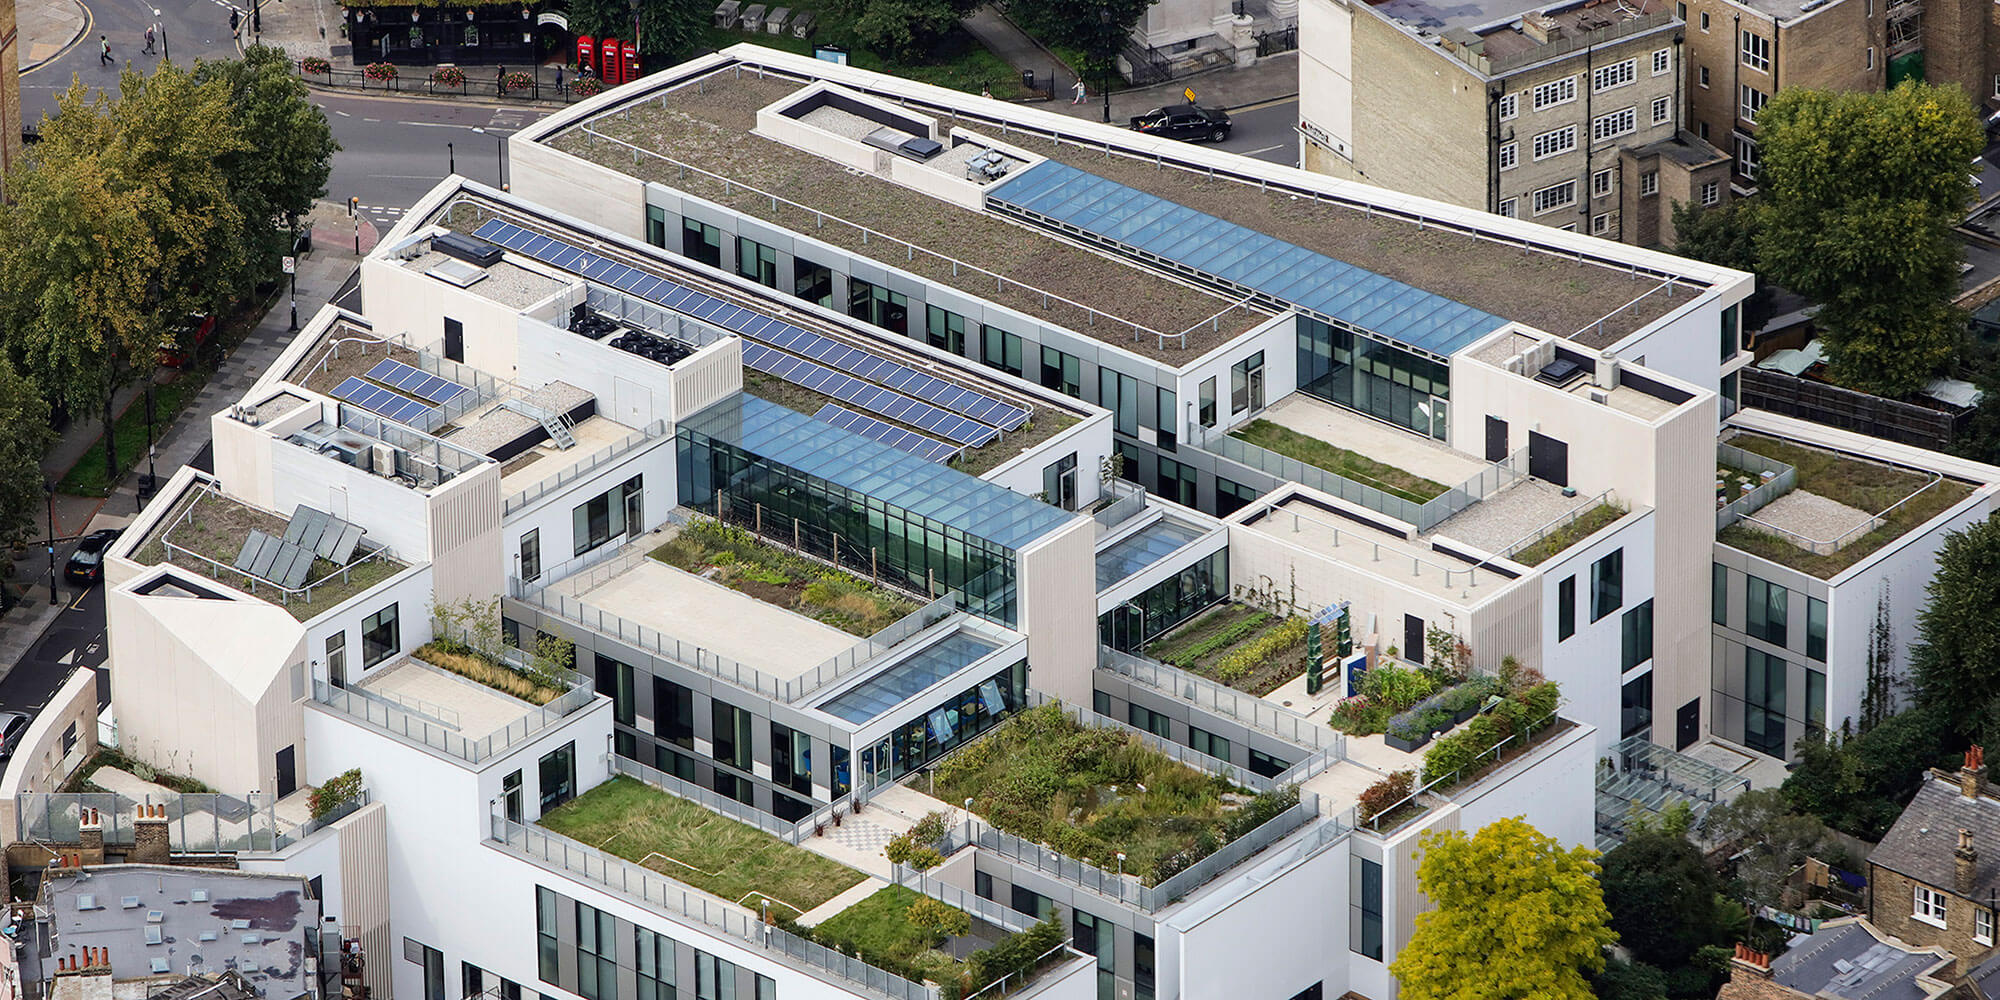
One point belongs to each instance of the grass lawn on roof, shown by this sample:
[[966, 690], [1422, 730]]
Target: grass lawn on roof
[[711, 852], [1339, 461], [1870, 487]]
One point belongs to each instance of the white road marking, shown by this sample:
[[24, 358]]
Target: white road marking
[[1266, 149]]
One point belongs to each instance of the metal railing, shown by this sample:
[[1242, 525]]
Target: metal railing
[[1828, 546], [1782, 480], [224, 573], [1450, 780], [675, 899], [398, 721], [1423, 515], [713, 802], [1608, 498], [1131, 500], [1244, 708], [657, 430], [446, 717], [1004, 917], [197, 823], [634, 311], [1179, 753], [1326, 831], [568, 608], [843, 663]]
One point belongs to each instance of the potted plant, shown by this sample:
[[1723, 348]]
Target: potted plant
[[517, 80], [448, 76], [587, 86], [380, 72], [315, 66], [1407, 734]]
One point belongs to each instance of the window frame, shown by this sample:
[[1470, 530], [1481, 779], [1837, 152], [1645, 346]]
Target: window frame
[[1554, 93], [1928, 906], [1614, 124], [1612, 76], [1649, 184], [1510, 155], [1755, 56], [1508, 208], [1603, 183], [1663, 110], [1510, 106], [373, 650], [1607, 584], [1982, 925], [1554, 142], [1663, 61], [1711, 194], [1750, 101], [1568, 189]]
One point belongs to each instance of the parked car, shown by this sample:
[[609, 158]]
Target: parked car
[[184, 343], [86, 564], [1189, 122], [12, 726]]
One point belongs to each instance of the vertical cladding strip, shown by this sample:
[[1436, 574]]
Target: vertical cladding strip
[[1683, 513], [465, 550], [364, 889], [1056, 593]]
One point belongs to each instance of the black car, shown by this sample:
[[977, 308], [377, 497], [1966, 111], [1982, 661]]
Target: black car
[[1190, 122], [86, 564]]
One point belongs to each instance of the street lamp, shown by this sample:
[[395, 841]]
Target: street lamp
[[451, 158], [166, 51], [49, 491], [1104, 16]]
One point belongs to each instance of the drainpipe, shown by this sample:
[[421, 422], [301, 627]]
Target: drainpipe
[[1493, 94], [1589, 88]]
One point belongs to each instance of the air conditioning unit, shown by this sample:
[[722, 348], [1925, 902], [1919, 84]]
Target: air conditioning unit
[[1600, 397], [307, 439], [384, 459], [342, 453]]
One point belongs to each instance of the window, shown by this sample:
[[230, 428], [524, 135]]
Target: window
[[1206, 742], [605, 516], [1982, 926], [1663, 58], [1231, 496], [1718, 594], [1607, 584], [1701, 76], [432, 962], [731, 737], [471, 980], [1510, 106], [1766, 607], [812, 282], [615, 679], [1510, 155], [1616, 74], [767, 988], [1663, 109], [1267, 765], [1059, 482], [1929, 906], [1748, 160], [1729, 332], [1097, 936], [1061, 372], [1601, 183], [1649, 184], [1815, 629], [1032, 903], [878, 305], [557, 771], [673, 713], [714, 979], [1601, 224], [510, 795], [701, 242], [656, 225], [336, 659], [1000, 349], [946, 329], [545, 934], [1610, 126], [1555, 196], [1711, 193], [381, 637], [1752, 101], [1246, 384], [596, 954], [1143, 981], [1507, 208], [757, 262], [1150, 721], [1119, 393], [1555, 142], [1756, 51], [1996, 85], [531, 554], [1870, 64], [1636, 628], [1635, 706], [1177, 481], [1763, 702], [1566, 608], [1704, 20], [1681, 10], [1364, 925], [655, 964], [1206, 404], [1816, 699], [1562, 91]]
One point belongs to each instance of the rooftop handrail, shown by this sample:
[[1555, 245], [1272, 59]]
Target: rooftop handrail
[[585, 466], [1248, 709], [730, 185], [698, 658], [1608, 498], [1180, 753], [197, 822], [1450, 780], [1004, 917], [1823, 547], [895, 633], [396, 720], [1131, 499], [1455, 573], [1291, 469], [224, 573], [1486, 482], [437, 713], [675, 899], [635, 311]]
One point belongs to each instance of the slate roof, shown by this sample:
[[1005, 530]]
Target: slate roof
[[1849, 962], [1921, 843]]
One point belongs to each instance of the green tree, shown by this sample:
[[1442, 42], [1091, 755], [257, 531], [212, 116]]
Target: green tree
[[1955, 660], [1768, 841], [600, 18], [941, 919], [1860, 193], [1725, 234], [1661, 895], [671, 30], [1623, 980], [1097, 28], [905, 30], [1515, 916], [24, 436], [1859, 784]]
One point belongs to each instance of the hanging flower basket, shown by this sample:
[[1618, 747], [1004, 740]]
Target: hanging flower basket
[[448, 76], [380, 72], [517, 80], [315, 65], [588, 86]]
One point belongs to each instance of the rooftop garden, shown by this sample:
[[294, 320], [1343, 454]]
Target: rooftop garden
[[1094, 793], [469, 643], [900, 930], [1577, 529], [737, 559], [214, 527], [956, 60], [690, 844], [1339, 461], [1870, 487], [1045, 424], [1237, 645]]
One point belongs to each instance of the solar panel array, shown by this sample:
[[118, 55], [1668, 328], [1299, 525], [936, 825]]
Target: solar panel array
[[376, 399], [418, 383], [902, 439], [268, 557], [868, 396], [754, 326], [326, 536]]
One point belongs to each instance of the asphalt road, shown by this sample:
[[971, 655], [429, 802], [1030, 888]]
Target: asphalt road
[[392, 150], [1267, 131], [194, 29], [75, 639]]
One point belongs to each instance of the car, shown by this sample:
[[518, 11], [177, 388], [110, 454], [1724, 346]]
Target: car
[[12, 725], [1190, 122], [184, 343], [86, 564]]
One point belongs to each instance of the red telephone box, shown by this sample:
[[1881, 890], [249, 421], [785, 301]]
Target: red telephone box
[[609, 65], [586, 54], [631, 50]]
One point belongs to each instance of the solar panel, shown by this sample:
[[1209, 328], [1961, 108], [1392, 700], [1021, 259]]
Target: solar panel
[[928, 449], [849, 389], [376, 399], [951, 396], [415, 381]]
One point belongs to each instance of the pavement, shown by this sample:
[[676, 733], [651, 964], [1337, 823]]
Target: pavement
[[47, 27]]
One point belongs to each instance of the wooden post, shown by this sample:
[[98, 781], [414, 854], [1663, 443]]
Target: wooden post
[[760, 518], [875, 564], [795, 535], [836, 550]]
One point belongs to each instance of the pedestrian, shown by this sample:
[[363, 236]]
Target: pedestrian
[[1078, 99], [235, 18], [149, 39], [500, 82], [559, 70], [103, 51], [984, 90]]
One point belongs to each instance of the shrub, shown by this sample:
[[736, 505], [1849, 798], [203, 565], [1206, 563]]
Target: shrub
[[1238, 665], [448, 76], [315, 64], [517, 80], [335, 792], [1385, 793], [1360, 716], [588, 86], [380, 72], [1015, 956], [941, 919], [1450, 756], [1397, 687], [917, 846]]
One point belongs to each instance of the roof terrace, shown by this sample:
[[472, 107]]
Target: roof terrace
[[700, 139]]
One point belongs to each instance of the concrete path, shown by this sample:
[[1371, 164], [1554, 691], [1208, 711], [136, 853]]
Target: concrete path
[[130, 785], [859, 841], [1016, 48], [862, 890], [47, 28]]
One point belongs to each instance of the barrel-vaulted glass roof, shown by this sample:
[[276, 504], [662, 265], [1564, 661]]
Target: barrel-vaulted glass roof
[[909, 678], [897, 478], [1244, 257]]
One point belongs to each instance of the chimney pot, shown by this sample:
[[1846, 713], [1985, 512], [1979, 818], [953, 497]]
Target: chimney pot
[[1965, 867], [1972, 777]]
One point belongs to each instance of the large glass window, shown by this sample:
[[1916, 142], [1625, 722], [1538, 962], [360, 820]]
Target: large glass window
[[654, 963], [1207, 403], [1062, 372], [1636, 628], [1565, 608], [812, 282], [547, 942], [557, 771], [1095, 936], [1607, 584], [1765, 611], [381, 636], [1816, 629], [1203, 741], [701, 242], [1763, 702], [596, 954], [615, 679], [1728, 327], [510, 795], [1143, 981], [714, 979], [1246, 384], [791, 759], [607, 516], [673, 713], [1119, 393], [1816, 699], [1231, 496], [757, 262], [336, 659], [1166, 418], [531, 555], [656, 225], [1000, 349], [1129, 626], [1059, 482], [880, 306], [1636, 706], [945, 329], [1364, 923], [1030, 902], [731, 737], [1141, 717], [1382, 380], [1718, 594], [1177, 481]]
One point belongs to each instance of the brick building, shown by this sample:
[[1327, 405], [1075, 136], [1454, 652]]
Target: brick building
[[1928, 885], [1568, 114]]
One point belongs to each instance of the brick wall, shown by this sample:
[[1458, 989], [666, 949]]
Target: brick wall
[[1419, 117], [1892, 907]]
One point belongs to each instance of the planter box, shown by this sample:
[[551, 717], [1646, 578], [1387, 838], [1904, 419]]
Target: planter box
[[1407, 746]]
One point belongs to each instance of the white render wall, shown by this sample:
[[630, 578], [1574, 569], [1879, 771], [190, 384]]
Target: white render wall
[[1586, 664]]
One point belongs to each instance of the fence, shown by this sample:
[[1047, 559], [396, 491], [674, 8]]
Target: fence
[[1423, 515], [204, 823], [1181, 754], [1257, 713], [596, 460], [1448, 781], [1005, 917], [1608, 498], [478, 90], [394, 719], [1270, 43], [222, 573], [1828, 546], [709, 800], [1893, 420], [1130, 501], [1782, 480], [656, 890]]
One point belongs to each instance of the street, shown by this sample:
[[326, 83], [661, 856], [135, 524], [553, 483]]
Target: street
[[74, 639], [1267, 131], [393, 150]]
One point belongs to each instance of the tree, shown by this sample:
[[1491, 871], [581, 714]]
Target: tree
[[941, 919], [1860, 193], [670, 30], [1515, 916], [906, 30], [1878, 698], [1725, 234], [1661, 895], [1097, 28], [1859, 784], [600, 18], [24, 436], [1955, 660], [1623, 980], [1768, 840]]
